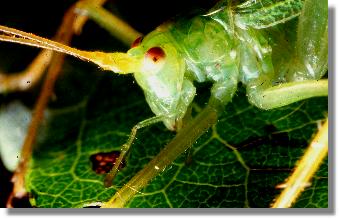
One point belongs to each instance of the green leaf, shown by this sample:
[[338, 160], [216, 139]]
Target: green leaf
[[238, 163], [95, 111]]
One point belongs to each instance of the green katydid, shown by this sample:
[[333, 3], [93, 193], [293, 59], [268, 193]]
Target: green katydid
[[227, 45]]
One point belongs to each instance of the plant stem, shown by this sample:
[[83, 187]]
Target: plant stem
[[181, 142], [64, 36], [113, 24], [305, 169]]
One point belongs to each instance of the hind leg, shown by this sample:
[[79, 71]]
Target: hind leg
[[308, 64], [287, 93]]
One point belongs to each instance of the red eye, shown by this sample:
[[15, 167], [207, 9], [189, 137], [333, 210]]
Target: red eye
[[136, 42], [155, 54]]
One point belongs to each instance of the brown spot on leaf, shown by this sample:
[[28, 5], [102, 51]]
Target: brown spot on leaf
[[103, 162]]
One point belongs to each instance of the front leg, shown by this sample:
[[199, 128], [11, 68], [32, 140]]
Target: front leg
[[224, 87], [125, 148]]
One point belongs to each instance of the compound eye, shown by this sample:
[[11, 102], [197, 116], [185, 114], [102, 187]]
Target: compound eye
[[156, 54], [137, 42], [153, 60]]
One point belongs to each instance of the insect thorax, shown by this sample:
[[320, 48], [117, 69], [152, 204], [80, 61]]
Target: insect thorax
[[207, 45]]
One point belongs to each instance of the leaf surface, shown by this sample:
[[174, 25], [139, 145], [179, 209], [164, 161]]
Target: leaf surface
[[238, 163]]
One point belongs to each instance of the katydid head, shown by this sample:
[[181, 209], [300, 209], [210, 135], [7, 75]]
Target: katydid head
[[161, 76], [156, 63]]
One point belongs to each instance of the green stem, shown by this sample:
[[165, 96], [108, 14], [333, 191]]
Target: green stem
[[181, 142], [116, 26]]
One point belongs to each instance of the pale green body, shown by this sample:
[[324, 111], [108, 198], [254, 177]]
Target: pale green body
[[230, 44]]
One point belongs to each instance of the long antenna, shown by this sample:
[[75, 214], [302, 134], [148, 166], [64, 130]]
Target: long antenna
[[117, 62]]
